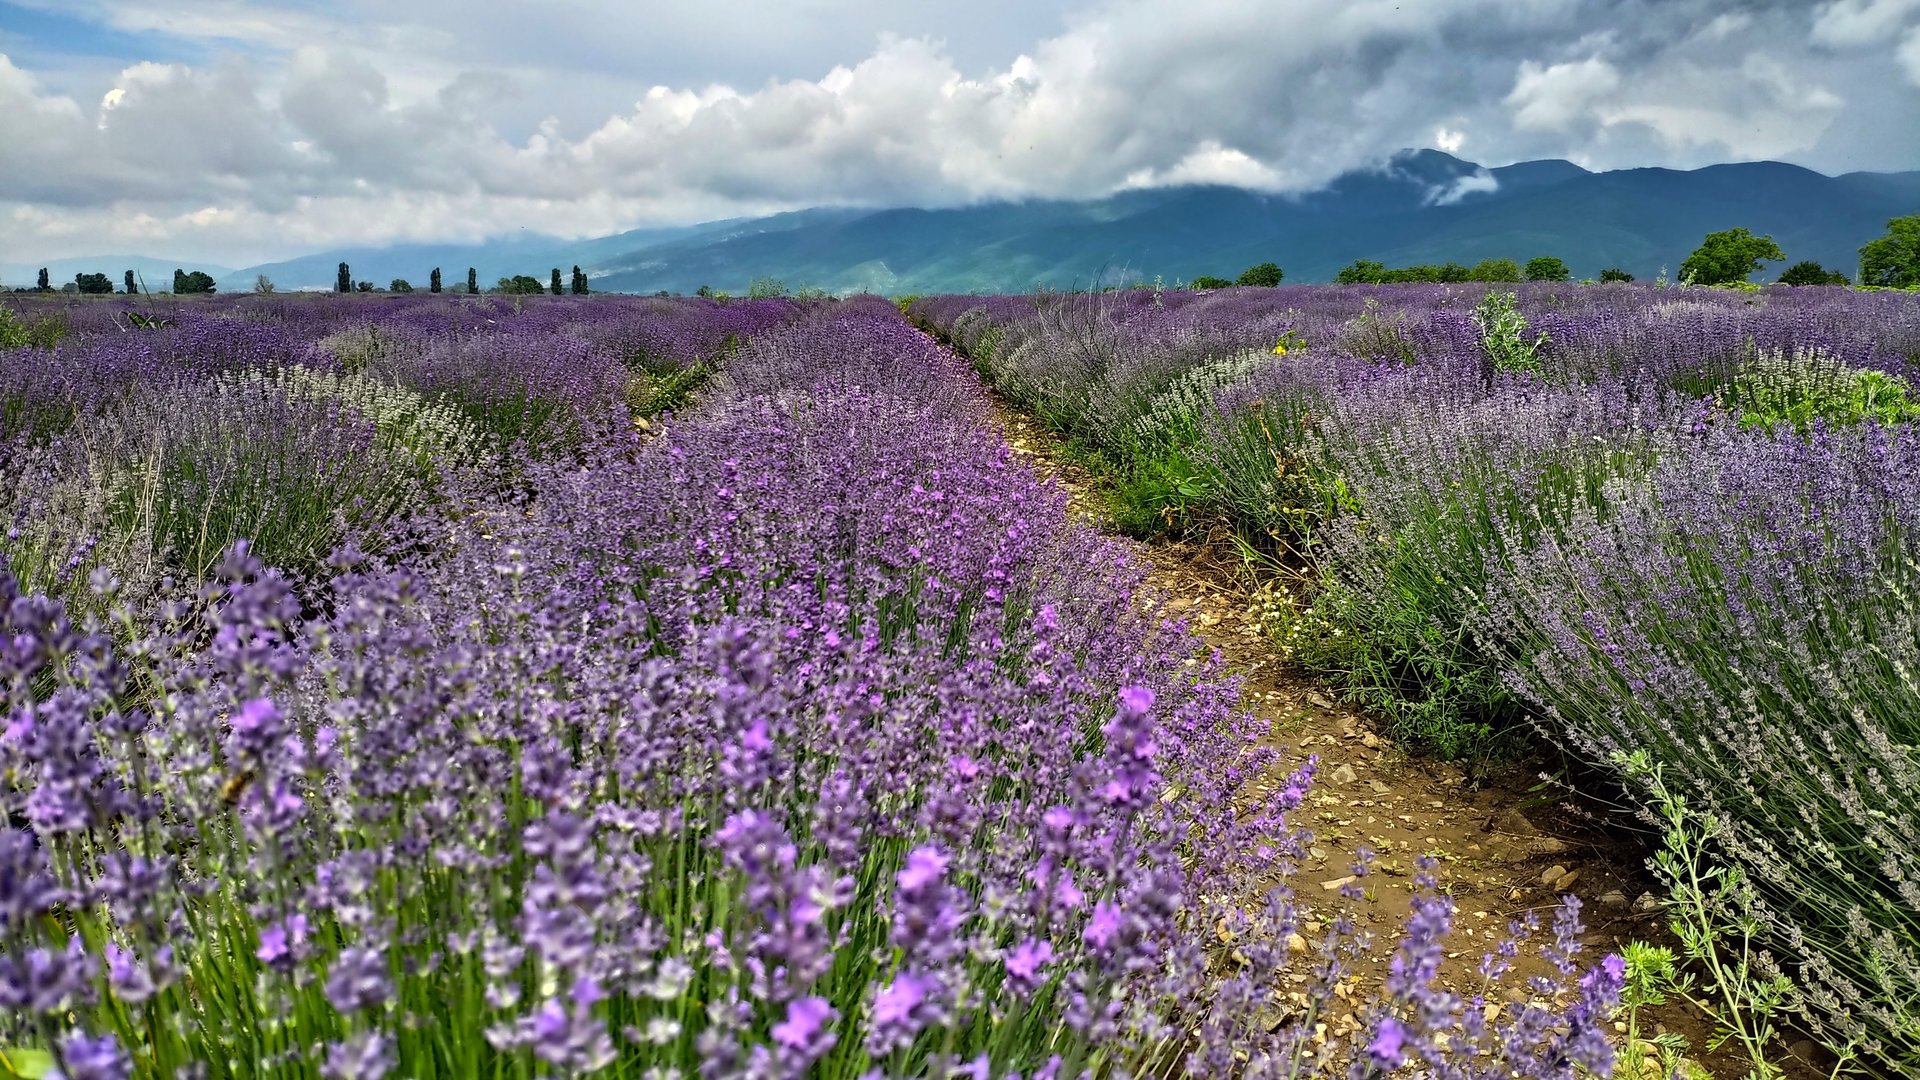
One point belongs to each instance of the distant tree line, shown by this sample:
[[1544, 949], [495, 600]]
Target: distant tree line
[[517, 285]]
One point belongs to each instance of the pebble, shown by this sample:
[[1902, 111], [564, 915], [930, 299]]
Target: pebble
[[1566, 881], [1552, 874], [1613, 898], [1647, 902], [1345, 775], [1338, 883]]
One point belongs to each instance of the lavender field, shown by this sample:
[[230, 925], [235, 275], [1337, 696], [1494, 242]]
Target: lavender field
[[461, 687], [664, 687]]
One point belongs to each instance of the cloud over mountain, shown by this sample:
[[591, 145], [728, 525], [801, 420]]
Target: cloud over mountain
[[222, 130]]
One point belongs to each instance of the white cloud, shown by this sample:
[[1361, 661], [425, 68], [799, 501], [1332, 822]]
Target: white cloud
[[1854, 23], [1479, 182], [1561, 97], [364, 122]]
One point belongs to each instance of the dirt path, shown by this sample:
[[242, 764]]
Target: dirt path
[[1504, 848]]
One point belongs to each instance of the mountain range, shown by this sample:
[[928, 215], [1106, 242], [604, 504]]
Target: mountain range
[[1420, 206]]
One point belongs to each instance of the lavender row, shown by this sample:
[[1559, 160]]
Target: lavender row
[[1674, 523], [808, 737]]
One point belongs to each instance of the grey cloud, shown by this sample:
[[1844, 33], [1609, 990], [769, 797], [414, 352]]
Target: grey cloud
[[413, 125]]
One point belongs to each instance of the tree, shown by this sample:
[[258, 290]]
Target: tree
[[1808, 272], [1547, 268], [473, 282], [263, 285], [433, 280], [579, 282], [1614, 273], [94, 284], [364, 286], [1208, 281], [1727, 257], [199, 281], [44, 285], [400, 284], [343, 281], [1494, 270], [132, 289], [1893, 261], [705, 291], [1266, 275], [1362, 272], [556, 281], [520, 285]]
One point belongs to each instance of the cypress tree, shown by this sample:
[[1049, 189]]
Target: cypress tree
[[433, 280], [579, 282], [473, 282], [556, 281], [343, 282], [179, 280], [47, 286], [132, 290]]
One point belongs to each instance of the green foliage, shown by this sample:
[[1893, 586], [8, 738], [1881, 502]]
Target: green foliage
[[473, 282], [520, 285], [1709, 913], [705, 291], [263, 285], [43, 285], [579, 284], [1361, 272], [132, 289], [1495, 270], [1368, 272], [1808, 272], [1547, 268], [343, 279], [1893, 260], [766, 288], [364, 286], [433, 281], [653, 392], [1503, 332], [1264, 275], [1378, 336], [1208, 281], [1614, 273], [42, 333], [1400, 651], [554, 283], [94, 284], [1727, 257], [400, 284], [1799, 389], [197, 282]]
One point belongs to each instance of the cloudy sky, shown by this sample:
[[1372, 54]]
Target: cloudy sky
[[237, 132]]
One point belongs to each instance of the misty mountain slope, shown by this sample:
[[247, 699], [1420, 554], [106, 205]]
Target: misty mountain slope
[[1419, 207]]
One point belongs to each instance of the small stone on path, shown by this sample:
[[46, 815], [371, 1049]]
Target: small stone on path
[[1552, 874]]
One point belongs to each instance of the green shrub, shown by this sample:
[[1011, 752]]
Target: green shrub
[[44, 332], [652, 392], [1503, 332], [1806, 386]]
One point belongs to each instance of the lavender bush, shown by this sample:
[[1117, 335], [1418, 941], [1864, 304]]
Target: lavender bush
[[1665, 521]]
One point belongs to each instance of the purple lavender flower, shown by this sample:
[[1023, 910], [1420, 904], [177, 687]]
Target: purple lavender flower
[[359, 979], [87, 1057]]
